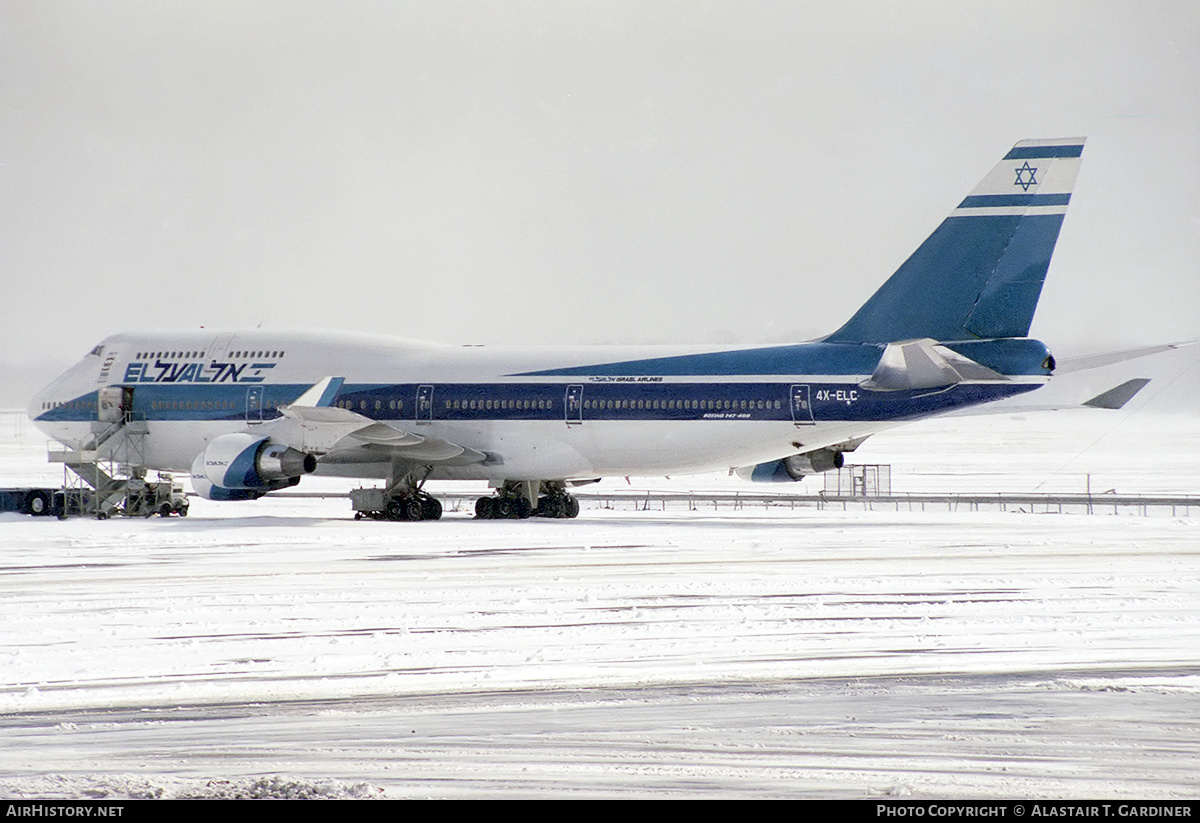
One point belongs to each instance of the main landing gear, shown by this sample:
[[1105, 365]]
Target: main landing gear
[[403, 499], [416, 506], [513, 501], [377, 504]]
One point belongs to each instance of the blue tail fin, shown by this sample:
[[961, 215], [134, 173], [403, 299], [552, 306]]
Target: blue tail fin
[[979, 275]]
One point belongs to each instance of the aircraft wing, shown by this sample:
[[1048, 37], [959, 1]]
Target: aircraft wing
[[1095, 361], [313, 426]]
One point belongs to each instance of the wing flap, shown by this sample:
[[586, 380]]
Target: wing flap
[[414, 447]]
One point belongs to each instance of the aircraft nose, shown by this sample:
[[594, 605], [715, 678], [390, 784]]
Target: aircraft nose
[[38, 403], [72, 384]]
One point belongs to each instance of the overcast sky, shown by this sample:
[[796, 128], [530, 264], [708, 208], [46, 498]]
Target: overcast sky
[[571, 172]]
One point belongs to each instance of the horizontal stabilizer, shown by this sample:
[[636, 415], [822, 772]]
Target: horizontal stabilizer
[[922, 364], [1118, 396]]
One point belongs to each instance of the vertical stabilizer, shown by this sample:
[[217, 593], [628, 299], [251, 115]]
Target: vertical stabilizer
[[980, 274]]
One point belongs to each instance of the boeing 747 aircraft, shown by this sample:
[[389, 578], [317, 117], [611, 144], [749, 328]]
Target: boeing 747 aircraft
[[250, 412]]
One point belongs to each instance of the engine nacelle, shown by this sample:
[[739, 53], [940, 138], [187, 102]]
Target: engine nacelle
[[791, 469], [206, 489], [244, 467]]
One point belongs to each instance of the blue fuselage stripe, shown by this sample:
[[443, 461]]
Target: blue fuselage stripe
[[583, 402]]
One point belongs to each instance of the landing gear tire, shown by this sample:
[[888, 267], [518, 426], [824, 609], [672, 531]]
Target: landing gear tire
[[485, 508], [558, 506], [394, 510], [413, 510], [504, 507], [431, 509]]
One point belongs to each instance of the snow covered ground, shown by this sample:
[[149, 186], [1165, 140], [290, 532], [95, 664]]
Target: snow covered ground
[[281, 648]]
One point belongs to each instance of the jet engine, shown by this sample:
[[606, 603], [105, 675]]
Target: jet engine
[[245, 467], [792, 468]]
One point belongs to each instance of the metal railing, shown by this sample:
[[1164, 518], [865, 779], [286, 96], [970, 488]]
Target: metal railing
[[699, 501]]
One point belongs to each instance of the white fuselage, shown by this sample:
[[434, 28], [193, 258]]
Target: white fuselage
[[538, 413]]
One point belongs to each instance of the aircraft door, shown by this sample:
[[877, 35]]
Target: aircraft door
[[113, 403], [218, 348], [424, 410], [574, 405], [801, 404], [254, 404]]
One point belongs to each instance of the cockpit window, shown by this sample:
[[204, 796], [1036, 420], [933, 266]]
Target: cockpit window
[[97, 351]]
